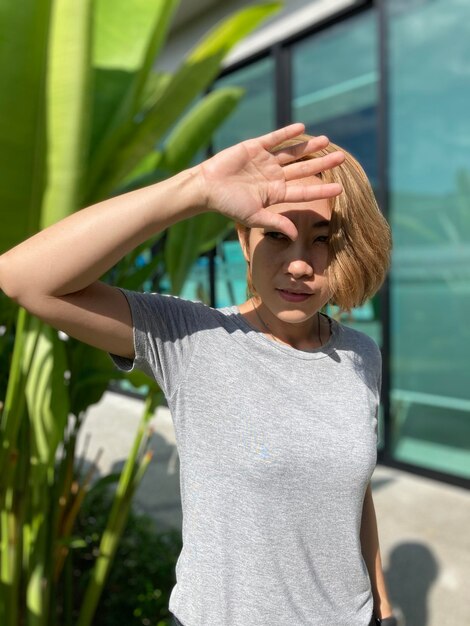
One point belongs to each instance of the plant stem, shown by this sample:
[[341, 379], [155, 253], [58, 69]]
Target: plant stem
[[130, 476]]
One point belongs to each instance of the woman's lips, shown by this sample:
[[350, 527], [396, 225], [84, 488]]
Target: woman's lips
[[293, 297]]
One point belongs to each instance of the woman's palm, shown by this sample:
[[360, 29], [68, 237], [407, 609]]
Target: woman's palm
[[244, 180]]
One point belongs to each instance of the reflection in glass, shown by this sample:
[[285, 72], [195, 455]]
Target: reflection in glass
[[255, 114], [335, 87], [430, 208]]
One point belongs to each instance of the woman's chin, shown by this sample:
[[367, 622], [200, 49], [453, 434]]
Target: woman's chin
[[294, 317]]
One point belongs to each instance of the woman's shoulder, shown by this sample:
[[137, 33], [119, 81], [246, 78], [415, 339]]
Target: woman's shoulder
[[357, 340]]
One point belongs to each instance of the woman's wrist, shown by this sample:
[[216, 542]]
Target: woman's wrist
[[199, 193], [391, 617], [178, 198], [391, 620]]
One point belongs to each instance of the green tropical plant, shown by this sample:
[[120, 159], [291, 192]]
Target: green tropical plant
[[139, 586], [83, 115]]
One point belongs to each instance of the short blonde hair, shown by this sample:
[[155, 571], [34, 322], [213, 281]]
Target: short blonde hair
[[360, 239]]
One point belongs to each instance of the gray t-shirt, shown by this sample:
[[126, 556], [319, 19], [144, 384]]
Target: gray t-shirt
[[277, 447]]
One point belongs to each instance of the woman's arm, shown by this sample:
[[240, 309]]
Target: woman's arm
[[55, 274], [73, 253], [371, 552]]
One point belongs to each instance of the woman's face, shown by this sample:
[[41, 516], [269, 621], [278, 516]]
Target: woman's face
[[280, 265]]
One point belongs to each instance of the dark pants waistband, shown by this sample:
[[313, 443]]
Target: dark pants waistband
[[175, 621]]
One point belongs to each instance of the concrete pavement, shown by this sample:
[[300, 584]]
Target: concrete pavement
[[424, 526]]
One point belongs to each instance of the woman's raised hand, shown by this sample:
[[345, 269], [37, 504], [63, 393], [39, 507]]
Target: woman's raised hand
[[243, 180]]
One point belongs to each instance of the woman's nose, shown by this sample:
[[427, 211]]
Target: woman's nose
[[300, 267]]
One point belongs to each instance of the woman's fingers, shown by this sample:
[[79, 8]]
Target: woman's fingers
[[308, 193], [264, 218], [291, 153], [313, 166], [267, 219], [271, 140]]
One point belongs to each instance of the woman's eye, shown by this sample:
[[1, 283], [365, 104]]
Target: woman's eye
[[275, 235]]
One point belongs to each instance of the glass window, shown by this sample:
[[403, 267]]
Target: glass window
[[430, 209], [197, 286], [255, 114], [335, 86]]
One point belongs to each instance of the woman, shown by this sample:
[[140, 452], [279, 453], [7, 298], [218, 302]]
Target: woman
[[274, 403]]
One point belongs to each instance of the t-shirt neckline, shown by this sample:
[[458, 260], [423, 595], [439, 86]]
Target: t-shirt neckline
[[259, 337]]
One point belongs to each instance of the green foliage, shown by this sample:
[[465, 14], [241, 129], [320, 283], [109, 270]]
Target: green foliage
[[24, 35], [46, 395], [7, 337], [139, 585], [125, 145]]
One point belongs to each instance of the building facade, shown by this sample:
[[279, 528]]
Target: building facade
[[390, 82]]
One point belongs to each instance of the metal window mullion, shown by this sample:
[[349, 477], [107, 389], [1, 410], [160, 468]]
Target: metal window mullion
[[282, 84], [384, 202]]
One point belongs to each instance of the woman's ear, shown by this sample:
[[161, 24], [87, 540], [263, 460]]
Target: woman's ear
[[243, 236]]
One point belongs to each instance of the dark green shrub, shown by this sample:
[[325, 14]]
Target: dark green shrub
[[143, 573]]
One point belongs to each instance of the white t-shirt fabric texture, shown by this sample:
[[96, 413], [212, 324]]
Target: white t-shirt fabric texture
[[277, 447]]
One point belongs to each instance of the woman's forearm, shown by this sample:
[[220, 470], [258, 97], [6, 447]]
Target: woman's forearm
[[239, 182], [371, 553], [76, 251]]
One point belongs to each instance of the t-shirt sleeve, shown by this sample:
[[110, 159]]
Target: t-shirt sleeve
[[165, 332]]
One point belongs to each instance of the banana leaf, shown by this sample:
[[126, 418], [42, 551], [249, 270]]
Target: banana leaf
[[46, 393], [128, 35], [195, 130], [24, 32], [69, 105], [118, 157]]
